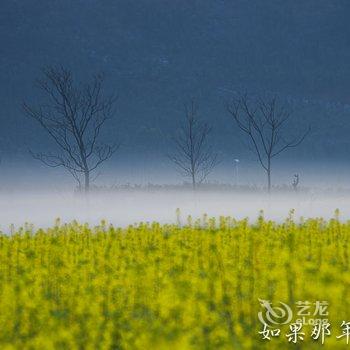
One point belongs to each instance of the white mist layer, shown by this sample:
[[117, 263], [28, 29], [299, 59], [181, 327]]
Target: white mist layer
[[125, 208]]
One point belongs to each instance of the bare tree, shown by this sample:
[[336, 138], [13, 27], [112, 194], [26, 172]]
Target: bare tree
[[193, 156], [73, 116], [263, 120]]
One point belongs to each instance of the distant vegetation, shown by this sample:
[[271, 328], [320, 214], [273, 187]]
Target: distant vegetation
[[203, 187]]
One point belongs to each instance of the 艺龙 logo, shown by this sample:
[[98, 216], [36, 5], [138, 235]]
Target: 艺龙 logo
[[271, 315]]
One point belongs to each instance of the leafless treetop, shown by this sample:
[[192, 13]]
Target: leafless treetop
[[194, 156], [73, 116], [264, 121]]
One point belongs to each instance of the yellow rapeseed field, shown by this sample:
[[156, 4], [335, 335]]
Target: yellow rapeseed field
[[192, 285]]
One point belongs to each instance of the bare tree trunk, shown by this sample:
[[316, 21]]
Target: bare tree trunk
[[268, 176], [193, 182], [87, 181]]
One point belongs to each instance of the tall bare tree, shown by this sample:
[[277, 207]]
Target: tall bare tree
[[73, 116], [264, 121], [194, 157]]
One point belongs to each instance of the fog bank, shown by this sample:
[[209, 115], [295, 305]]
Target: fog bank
[[122, 208]]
